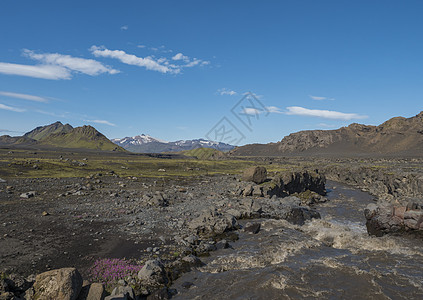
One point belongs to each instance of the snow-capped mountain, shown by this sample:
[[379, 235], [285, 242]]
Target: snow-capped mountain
[[137, 140], [147, 144]]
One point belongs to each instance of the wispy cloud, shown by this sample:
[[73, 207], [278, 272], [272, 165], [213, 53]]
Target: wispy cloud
[[225, 91], [141, 46], [320, 98], [55, 66], [251, 111], [24, 96], [162, 64], [73, 64], [325, 125], [11, 108], [104, 122], [38, 71], [147, 62], [124, 27], [10, 131], [50, 113], [327, 114], [274, 109]]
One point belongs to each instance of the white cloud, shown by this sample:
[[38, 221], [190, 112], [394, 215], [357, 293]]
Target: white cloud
[[320, 98], [327, 114], [141, 46], [76, 64], [104, 122], [152, 63], [273, 109], [38, 71], [124, 27], [180, 56], [225, 91], [10, 108], [148, 62], [23, 96], [251, 111]]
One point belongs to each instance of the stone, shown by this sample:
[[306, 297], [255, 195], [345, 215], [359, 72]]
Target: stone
[[192, 260], [123, 291], [2, 181], [152, 272], [255, 174], [28, 194], [94, 291], [252, 227], [161, 294], [212, 222], [65, 284], [187, 285]]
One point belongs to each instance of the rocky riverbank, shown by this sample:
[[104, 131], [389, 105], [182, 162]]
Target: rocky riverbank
[[399, 192], [60, 226]]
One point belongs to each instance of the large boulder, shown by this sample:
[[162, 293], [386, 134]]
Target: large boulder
[[152, 273], [255, 174], [64, 284]]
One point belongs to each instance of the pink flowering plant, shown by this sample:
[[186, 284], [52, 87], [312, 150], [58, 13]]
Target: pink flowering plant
[[110, 270]]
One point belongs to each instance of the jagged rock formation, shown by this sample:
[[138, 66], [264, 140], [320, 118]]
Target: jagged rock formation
[[397, 136]]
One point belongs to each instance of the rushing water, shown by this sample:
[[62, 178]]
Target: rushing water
[[330, 258]]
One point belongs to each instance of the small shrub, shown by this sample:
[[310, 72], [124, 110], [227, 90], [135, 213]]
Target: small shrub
[[109, 271]]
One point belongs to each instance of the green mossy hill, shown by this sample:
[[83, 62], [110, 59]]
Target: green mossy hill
[[203, 153], [43, 132], [85, 137], [16, 140]]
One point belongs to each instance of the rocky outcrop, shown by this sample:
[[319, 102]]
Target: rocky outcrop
[[379, 181], [211, 222], [397, 136], [387, 218]]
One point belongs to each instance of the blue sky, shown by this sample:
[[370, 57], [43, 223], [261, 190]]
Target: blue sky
[[181, 69]]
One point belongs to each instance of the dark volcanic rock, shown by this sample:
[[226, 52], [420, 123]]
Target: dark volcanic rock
[[255, 174], [288, 183], [387, 218]]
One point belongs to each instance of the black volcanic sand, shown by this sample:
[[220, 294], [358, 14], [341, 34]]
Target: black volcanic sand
[[108, 219]]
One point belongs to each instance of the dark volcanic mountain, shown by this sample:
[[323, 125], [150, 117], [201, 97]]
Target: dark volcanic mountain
[[397, 136], [57, 135], [146, 144]]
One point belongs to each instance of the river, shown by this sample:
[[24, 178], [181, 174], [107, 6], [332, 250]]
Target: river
[[328, 258]]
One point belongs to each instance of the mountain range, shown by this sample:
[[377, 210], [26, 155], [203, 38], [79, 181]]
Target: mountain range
[[146, 144], [397, 136]]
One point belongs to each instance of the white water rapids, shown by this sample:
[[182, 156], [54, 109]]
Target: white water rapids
[[328, 258]]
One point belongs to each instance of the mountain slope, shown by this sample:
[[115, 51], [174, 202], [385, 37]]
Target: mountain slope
[[147, 144], [397, 136], [85, 137], [42, 132]]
